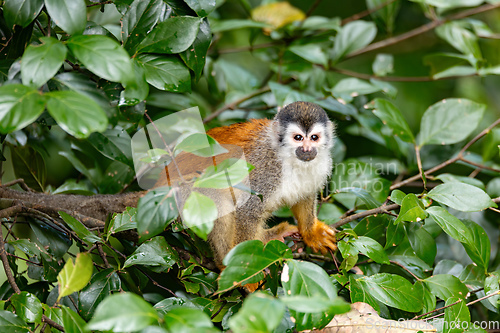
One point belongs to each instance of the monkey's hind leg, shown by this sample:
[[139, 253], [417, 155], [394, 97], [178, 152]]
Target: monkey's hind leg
[[222, 238], [279, 232]]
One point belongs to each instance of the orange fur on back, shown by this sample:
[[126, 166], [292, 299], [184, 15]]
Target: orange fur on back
[[240, 134]]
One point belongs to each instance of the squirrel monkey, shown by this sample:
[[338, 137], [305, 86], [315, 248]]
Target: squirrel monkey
[[292, 159]]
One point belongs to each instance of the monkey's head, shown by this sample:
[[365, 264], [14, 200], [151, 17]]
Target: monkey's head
[[305, 129]]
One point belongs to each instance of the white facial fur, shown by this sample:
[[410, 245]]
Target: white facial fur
[[302, 179]]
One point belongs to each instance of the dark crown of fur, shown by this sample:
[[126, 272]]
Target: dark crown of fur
[[304, 114]]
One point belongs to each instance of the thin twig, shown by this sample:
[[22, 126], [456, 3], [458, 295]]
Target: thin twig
[[6, 266], [406, 269], [419, 165], [384, 209], [397, 78], [459, 157], [103, 255], [19, 182], [422, 29], [234, 104], [52, 323], [366, 12], [313, 8]]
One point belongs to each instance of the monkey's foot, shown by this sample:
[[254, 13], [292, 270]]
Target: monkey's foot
[[281, 231], [320, 237]]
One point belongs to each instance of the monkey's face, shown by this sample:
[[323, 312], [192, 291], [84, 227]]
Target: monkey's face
[[306, 143]]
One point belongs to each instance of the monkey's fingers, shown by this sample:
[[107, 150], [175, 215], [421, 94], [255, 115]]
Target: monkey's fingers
[[320, 237]]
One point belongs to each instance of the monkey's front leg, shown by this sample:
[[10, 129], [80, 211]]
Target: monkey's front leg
[[317, 235]]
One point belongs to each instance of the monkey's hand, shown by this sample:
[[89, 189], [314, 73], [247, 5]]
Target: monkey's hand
[[320, 237]]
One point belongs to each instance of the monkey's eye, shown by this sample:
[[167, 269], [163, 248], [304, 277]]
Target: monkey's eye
[[314, 137], [298, 137]]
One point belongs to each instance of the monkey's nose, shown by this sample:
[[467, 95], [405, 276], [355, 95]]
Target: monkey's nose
[[304, 155]]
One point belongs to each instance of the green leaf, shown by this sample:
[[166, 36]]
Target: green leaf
[[445, 286], [462, 39], [79, 228], [139, 19], [230, 25], [393, 290], [19, 107], [21, 12], [71, 16], [27, 306], [74, 277], [166, 72], [421, 242], [10, 323], [195, 56], [81, 83], [302, 278], [370, 248], [412, 209], [348, 88], [41, 62], [397, 196], [199, 214], [101, 285], [29, 165], [155, 252], [72, 322], [200, 144], [226, 174], [478, 248], [310, 52], [245, 262], [202, 8], [392, 117], [183, 319], [125, 312], [77, 114], [259, 313], [173, 35], [383, 64], [450, 224], [449, 121], [462, 197], [155, 211], [315, 304], [491, 285], [124, 221], [352, 37], [449, 178], [114, 144], [102, 56], [458, 313]]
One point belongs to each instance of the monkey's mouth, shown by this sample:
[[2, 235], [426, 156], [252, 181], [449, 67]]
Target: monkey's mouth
[[305, 156]]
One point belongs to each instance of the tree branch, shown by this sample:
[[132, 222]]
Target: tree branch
[[384, 209], [452, 160], [422, 29], [233, 105], [397, 78], [5, 262], [366, 12]]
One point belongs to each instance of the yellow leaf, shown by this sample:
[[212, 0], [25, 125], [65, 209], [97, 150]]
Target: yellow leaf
[[277, 14]]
